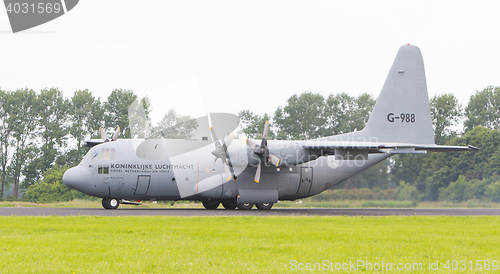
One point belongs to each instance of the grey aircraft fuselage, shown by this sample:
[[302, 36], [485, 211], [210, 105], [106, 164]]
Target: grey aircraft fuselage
[[119, 169]]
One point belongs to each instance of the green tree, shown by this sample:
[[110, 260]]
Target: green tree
[[51, 112], [302, 118], [86, 116], [345, 113], [493, 192], [253, 124], [138, 115], [116, 110], [440, 169], [483, 109], [50, 188], [465, 189], [456, 191], [406, 167], [375, 176], [174, 126], [5, 139], [22, 123], [407, 192], [446, 113]]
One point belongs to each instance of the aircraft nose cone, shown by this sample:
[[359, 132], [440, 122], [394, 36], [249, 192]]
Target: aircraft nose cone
[[78, 178]]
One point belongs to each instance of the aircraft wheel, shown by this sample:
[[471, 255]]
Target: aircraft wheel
[[110, 203], [208, 204], [244, 206], [264, 206], [229, 205]]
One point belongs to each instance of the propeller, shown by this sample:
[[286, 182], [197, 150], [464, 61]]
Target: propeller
[[220, 152], [263, 152], [104, 136]]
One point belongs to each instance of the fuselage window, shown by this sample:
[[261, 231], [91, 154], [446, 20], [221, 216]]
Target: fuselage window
[[102, 169]]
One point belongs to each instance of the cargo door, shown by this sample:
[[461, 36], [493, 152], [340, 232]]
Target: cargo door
[[142, 184]]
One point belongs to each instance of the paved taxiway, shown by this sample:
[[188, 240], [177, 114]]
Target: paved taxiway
[[26, 211]]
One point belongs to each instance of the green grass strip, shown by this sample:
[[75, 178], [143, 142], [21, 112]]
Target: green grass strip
[[241, 244]]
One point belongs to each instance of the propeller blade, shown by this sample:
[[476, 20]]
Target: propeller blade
[[214, 136], [104, 136], [209, 167], [229, 139], [228, 172], [117, 133], [266, 130], [275, 160], [221, 152], [257, 174], [146, 131], [251, 144]]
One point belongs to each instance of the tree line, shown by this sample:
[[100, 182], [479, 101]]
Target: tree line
[[41, 132]]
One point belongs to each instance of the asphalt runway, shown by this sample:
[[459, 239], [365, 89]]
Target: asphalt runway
[[26, 211]]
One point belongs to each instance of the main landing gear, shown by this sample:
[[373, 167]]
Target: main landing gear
[[231, 205], [209, 204], [110, 203], [264, 206]]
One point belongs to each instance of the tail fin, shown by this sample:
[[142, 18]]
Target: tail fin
[[402, 113]]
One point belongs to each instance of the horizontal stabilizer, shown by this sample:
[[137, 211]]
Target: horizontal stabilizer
[[92, 142]]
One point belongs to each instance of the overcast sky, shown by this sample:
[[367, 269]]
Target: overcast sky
[[226, 56]]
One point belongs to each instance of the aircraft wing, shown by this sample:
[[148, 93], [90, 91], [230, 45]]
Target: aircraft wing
[[381, 147]]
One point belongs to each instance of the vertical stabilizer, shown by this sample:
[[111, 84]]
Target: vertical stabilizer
[[402, 113]]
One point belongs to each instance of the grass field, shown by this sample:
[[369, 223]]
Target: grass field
[[305, 203], [245, 244]]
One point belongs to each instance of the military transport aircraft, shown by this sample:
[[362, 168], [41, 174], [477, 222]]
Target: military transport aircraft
[[264, 171]]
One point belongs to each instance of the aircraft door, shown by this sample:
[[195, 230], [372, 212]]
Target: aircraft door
[[100, 186], [305, 180], [142, 185]]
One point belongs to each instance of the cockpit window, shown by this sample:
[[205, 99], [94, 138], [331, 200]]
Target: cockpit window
[[107, 154], [103, 154]]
